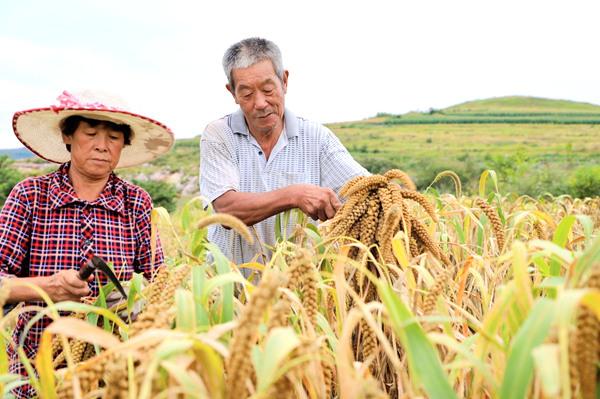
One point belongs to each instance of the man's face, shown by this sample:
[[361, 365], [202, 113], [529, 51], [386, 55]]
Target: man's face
[[95, 151], [261, 96]]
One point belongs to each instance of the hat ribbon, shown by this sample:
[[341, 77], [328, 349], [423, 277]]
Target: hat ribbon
[[68, 100]]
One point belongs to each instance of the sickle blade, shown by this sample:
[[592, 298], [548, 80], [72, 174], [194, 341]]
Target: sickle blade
[[102, 266]]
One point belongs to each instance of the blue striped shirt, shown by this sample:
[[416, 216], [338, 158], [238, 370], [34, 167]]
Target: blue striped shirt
[[231, 159]]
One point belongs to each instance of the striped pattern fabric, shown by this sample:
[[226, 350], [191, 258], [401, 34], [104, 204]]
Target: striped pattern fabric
[[45, 228], [231, 159]]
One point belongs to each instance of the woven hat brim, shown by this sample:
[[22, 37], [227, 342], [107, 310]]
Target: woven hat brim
[[38, 129]]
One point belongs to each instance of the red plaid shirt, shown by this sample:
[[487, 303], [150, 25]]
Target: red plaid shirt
[[45, 228]]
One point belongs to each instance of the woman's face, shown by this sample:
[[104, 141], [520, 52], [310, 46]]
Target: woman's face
[[95, 151]]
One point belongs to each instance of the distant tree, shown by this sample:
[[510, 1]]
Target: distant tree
[[163, 193], [9, 176], [585, 182]]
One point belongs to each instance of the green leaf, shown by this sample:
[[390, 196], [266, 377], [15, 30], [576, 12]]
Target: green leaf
[[589, 257], [101, 301], [457, 224], [185, 217], [278, 345], [561, 234], [219, 281], [518, 372], [135, 287], [588, 226], [222, 266], [483, 180], [480, 234], [185, 317], [191, 386], [278, 235], [547, 365], [198, 281], [211, 370]]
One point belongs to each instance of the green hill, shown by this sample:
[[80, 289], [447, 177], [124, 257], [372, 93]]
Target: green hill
[[535, 145], [522, 105], [513, 109]]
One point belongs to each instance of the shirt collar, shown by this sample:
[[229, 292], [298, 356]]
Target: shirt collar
[[239, 126], [62, 192]]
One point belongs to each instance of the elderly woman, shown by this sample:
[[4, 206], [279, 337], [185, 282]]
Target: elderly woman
[[50, 226]]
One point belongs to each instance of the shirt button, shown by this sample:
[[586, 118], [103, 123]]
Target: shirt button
[[260, 153], [87, 243]]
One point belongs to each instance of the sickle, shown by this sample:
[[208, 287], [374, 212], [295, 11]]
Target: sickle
[[98, 263]]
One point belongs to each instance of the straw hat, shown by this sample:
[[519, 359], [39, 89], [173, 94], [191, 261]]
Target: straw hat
[[38, 129]]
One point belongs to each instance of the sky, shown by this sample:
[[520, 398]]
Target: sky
[[348, 60]]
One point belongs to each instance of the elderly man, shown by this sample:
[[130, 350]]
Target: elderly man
[[263, 160]]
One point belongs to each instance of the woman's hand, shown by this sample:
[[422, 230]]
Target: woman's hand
[[66, 286], [62, 286]]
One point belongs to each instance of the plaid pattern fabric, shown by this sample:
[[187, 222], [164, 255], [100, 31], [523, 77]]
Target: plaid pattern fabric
[[45, 228]]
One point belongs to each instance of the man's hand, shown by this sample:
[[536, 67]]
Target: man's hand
[[317, 202], [66, 286]]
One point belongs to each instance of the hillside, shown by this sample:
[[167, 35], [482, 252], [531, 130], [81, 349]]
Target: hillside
[[523, 105], [535, 145], [515, 109]]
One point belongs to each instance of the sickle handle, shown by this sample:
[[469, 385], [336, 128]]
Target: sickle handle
[[86, 271]]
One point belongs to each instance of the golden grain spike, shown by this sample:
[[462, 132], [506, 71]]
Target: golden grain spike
[[350, 214], [280, 313], [586, 343], [328, 371], [157, 314], [368, 182], [303, 275], [414, 247], [157, 286], [88, 373], [238, 364], [385, 197], [369, 340], [539, 230], [399, 200], [228, 221], [434, 293], [421, 200], [494, 220], [117, 382], [397, 174], [78, 348], [369, 222], [388, 229], [349, 184], [423, 236]]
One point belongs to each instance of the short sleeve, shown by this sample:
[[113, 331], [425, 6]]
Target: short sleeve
[[337, 165], [15, 232], [219, 172]]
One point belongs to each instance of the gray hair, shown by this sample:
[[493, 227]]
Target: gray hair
[[250, 51]]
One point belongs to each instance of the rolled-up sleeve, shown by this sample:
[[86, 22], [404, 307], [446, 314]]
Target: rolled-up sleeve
[[337, 165], [218, 170], [15, 232]]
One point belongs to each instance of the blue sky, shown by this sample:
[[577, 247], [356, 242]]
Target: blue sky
[[347, 59]]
